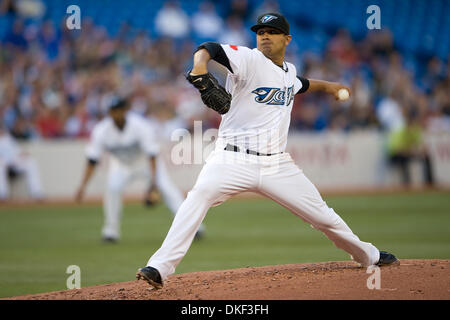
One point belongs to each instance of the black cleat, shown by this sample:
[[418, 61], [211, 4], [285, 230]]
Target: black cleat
[[198, 235], [151, 275], [387, 258], [110, 240]]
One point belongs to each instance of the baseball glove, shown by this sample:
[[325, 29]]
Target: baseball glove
[[213, 95], [152, 198]]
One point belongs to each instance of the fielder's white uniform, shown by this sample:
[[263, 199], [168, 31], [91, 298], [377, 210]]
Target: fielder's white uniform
[[11, 157], [258, 120], [126, 147]]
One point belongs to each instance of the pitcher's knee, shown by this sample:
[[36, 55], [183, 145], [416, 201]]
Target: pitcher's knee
[[326, 219], [204, 191], [324, 225]]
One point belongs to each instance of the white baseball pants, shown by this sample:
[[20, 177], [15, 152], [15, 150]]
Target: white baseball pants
[[26, 166], [227, 173], [119, 175]]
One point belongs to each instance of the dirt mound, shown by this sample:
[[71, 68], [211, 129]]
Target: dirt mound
[[412, 279]]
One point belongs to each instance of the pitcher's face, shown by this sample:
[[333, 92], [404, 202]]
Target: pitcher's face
[[272, 42]]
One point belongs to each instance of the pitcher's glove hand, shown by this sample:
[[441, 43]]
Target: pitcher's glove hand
[[213, 95]]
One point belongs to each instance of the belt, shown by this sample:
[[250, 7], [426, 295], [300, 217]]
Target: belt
[[230, 147]]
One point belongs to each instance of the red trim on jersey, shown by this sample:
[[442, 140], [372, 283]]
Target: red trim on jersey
[[234, 47]]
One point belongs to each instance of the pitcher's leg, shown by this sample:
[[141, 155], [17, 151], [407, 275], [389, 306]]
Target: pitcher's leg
[[293, 190], [215, 184], [184, 226]]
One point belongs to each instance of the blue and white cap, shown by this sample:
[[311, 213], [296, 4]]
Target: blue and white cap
[[274, 20]]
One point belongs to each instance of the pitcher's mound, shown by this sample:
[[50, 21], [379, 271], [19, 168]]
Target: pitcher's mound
[[412, 279]]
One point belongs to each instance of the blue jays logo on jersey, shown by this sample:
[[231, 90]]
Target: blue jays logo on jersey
[[124, 150], [267, 18], [274, 96]]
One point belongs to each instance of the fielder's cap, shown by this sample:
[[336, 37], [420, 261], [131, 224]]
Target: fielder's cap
[[274, 20], [118, 103]]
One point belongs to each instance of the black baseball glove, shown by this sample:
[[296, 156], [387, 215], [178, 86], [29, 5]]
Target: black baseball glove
[[213, 95]]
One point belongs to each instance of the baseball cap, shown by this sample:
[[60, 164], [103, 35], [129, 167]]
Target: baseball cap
[[274, 20], [118, 103]]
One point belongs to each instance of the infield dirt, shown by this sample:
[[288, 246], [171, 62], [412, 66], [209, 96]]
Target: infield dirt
[[411, 280]]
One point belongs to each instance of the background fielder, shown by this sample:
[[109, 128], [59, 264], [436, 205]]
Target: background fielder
[[126, 136], [13, 161], [249, 153]]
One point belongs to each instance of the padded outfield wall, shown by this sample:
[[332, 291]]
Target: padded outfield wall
[[332, 161]]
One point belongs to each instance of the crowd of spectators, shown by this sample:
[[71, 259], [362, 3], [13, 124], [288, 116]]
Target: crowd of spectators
[[56, 82]]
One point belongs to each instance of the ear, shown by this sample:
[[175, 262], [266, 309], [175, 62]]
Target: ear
[[288, 39]]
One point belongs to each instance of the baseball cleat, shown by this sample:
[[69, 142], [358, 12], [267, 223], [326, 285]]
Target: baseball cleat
[[109, 240], [151, 275], [387, 258], [198, 235]]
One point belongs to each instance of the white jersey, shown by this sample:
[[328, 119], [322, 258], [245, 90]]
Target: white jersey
[[9, 149], [263, 95], [127, 145]]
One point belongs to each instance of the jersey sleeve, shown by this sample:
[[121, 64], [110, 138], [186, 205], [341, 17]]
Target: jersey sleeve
[[217, 53], [240, 59], [301, 85], [95, 147]]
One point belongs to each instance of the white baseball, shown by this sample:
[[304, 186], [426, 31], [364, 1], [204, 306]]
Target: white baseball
[[343, 94]]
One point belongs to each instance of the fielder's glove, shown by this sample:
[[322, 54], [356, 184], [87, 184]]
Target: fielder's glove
[[152, 197], [213, 95]]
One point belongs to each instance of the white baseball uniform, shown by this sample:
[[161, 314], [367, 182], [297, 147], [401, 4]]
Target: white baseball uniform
[[256, 125], [126, 147], [11, 157]]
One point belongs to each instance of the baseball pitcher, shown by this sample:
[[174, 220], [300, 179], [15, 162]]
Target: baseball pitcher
[[250, 150]]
